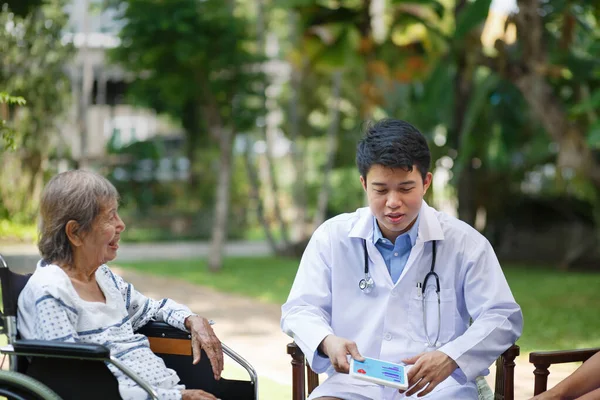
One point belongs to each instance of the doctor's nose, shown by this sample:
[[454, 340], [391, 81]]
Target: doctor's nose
[[394, 201]]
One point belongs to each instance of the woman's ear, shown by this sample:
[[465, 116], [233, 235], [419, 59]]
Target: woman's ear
[[73, 234]]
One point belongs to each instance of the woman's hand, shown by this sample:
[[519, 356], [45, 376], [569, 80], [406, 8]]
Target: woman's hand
[[203, 337], [549, 395], [196, 395]]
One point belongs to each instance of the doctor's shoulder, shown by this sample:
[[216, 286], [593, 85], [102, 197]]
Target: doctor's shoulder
[[459, 232], [343, 223]]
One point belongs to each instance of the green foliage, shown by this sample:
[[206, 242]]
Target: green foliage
[[7, 135], [11, 231], [22, 8], [32, 66], [138, 187], [470, 17], [196, 55]]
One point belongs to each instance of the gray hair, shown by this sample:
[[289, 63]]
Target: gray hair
[[73, 195]]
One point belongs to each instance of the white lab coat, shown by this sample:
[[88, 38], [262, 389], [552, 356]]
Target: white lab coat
[[388, 323]]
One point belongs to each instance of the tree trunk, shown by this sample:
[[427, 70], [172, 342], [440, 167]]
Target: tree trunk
[[219, 228], [255, 195], [529, 73], [463, 87], [272, 177], [299, 187], [332, 144]]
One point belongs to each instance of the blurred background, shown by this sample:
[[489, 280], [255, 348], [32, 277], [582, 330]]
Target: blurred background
[[229, 128]]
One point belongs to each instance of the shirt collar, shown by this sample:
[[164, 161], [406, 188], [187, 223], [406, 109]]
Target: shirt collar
[[412, 232]]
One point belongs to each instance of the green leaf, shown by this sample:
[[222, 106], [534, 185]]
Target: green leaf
[[478, 100], [471, 16], [593, 135], [436, 5], [590, 104], [8, 99]]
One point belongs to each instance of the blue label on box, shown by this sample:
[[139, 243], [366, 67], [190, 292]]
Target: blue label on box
[[380, 370]]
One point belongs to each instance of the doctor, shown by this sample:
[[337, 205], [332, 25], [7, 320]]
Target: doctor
[[361, 288]]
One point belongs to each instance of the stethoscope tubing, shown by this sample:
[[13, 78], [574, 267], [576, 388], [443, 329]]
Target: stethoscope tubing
[[367, 284]]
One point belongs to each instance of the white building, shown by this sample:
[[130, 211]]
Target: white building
[[99, 110]]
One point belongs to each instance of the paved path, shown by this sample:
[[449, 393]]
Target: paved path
[[22, 256]]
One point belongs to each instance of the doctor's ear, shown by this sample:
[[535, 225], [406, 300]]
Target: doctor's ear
[[427, 182], [363, 182]]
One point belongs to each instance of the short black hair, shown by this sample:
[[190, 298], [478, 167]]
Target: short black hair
[[393, 143]]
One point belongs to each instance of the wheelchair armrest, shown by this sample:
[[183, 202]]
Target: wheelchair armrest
[[47, 348], [162, 330]]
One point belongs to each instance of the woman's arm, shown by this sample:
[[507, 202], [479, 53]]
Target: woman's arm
[[582, 384], [142, 309], [45, 317]]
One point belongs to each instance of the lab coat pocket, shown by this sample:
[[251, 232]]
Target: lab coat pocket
[[446, 316]]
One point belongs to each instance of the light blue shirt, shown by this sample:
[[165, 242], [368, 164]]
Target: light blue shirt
[[395, 255]]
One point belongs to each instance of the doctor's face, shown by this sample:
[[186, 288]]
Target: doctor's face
[[395, 197]]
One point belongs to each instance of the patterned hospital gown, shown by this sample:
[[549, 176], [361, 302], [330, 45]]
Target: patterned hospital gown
[[51, 309]]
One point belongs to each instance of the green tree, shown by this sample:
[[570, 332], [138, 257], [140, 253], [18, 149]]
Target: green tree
[[22, 8], [32, 66], [553, 64], [194, 60]]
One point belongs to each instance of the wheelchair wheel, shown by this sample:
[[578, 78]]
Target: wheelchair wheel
[[17, 386]]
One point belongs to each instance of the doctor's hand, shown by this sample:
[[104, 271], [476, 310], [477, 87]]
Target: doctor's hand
[[428, 371], [337, 348]]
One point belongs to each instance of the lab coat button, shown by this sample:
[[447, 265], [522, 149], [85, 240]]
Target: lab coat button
[[396, 254], [394, 293], [388, 336]]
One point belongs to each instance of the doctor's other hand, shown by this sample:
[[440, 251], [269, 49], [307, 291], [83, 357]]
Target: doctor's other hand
[[428, 371], [337, 349]]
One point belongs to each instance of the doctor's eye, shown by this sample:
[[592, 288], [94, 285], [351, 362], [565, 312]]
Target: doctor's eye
[[380, 191]]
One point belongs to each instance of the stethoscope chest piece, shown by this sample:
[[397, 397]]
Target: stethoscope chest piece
[[366, 284]]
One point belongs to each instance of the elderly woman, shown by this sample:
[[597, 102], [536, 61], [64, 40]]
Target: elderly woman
[[73, 296]]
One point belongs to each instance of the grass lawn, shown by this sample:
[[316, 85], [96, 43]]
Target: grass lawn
[[561, 309]]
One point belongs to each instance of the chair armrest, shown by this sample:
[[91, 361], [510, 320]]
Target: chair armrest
[[543, 359], [162, 330], [48, 348], [303, 382], [561, 356]]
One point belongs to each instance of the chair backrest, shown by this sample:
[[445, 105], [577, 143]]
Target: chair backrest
[[304, 382], [12, 284]]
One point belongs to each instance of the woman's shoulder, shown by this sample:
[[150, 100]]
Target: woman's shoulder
[[48, 279], [47, 275]]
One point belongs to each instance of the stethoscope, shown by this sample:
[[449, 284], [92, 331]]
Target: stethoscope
[[367, 284]]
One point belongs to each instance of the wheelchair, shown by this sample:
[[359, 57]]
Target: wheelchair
[[49, 370]]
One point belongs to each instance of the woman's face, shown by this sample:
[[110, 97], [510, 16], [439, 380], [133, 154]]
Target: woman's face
[[100, 245]]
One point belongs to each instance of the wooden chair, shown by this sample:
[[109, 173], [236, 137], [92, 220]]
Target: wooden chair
[[543, 359], [305, 380]]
